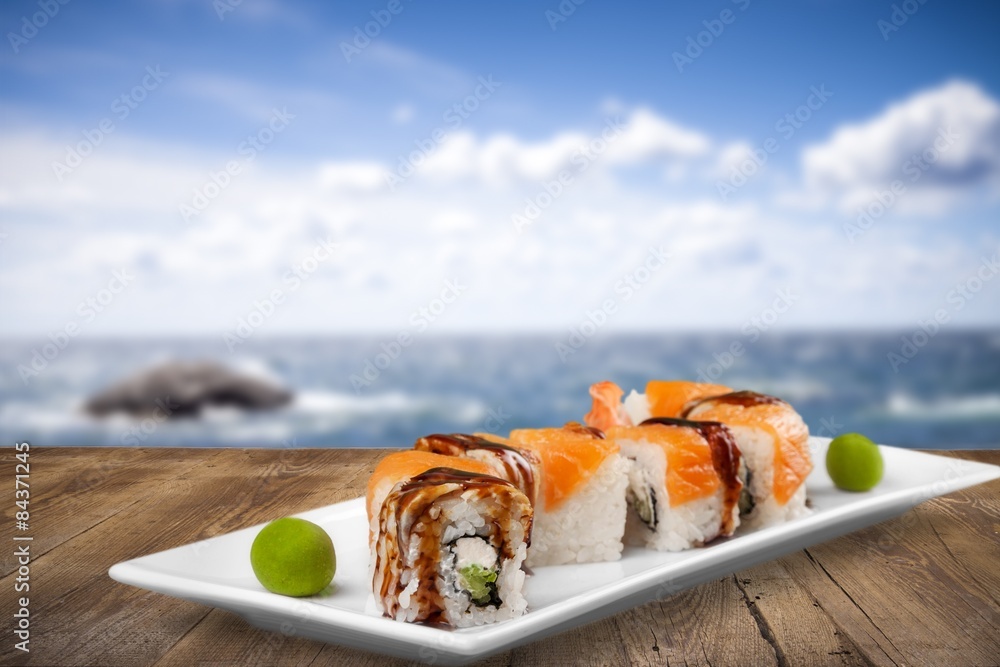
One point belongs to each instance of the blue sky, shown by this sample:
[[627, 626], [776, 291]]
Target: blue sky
[[752, 74], [323, 176]]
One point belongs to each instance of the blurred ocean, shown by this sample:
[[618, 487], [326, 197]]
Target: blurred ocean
[[947, 396]]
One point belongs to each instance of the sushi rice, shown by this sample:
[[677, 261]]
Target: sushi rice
[[673, 528], [461, 520], [588, 527], [446, 544]]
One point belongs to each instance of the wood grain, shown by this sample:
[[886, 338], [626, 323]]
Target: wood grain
[[921, 589]]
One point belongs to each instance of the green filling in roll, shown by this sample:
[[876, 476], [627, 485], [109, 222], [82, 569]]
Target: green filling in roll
[[479, 581]]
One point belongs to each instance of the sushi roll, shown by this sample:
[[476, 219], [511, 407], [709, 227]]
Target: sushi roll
[[683, 482], [448, 544], [775, 445], [580, 509], [400, 466], [516, 465], [663, 398]]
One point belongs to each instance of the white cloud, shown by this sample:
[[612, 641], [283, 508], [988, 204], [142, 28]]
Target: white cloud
[[953, 129], [648, 136], [352, 175], [730, 157], [120, 209], [503, 159], [454, 220]]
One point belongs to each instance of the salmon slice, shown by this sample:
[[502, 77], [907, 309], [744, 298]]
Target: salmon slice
[[400, 466], [606, 408], [691, 473], [792, 461], [570, 456], [667, 398]]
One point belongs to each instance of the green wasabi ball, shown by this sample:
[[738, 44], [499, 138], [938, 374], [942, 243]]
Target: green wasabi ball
[[293, 557], [854, 462]]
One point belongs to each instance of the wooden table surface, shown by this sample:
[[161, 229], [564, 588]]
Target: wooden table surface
[[922, 589]]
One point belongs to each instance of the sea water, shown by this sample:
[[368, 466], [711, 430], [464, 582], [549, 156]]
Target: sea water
[[354, 392]]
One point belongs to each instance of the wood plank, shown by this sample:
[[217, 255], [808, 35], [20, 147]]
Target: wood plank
[[339, 656], [918, 590], [851, 620], [707, 625], [69, 488], [956, 535], [227, 629], [595, 644], [85, 615], [236, 642], [783, 608], [991, 456], [968, 526], [897, 563], [923, 612]]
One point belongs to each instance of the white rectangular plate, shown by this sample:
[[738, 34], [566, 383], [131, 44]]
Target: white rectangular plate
[[216, 572]]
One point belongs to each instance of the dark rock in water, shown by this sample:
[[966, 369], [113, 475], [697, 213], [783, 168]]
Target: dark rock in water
[[183, 388]]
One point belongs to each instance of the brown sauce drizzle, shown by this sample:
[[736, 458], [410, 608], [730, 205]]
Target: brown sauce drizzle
[[518, 464], [746, 399], [577, 427], [435, 476], [725, 459], [408, 513]]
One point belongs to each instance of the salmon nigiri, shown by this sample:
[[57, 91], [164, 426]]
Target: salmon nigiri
[[684, 482], [580, 512], [775, 445]]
